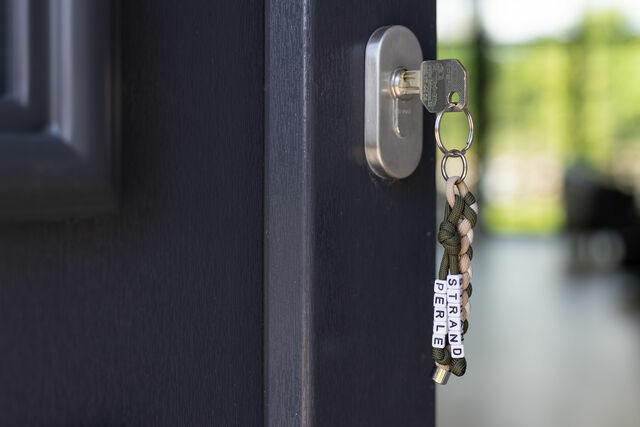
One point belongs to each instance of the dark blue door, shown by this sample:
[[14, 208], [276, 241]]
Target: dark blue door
[[191, 235]]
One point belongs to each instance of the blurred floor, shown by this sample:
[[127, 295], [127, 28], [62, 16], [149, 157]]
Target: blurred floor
[[546, 346]]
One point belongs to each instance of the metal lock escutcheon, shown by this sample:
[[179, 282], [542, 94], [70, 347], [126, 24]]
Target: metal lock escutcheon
[[397, 84]]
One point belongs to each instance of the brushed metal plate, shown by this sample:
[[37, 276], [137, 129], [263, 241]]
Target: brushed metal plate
[[393, 126]]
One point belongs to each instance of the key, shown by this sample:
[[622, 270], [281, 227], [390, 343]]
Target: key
[[435, 82]]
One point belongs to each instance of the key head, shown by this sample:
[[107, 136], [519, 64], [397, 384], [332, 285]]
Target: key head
[[440, 80]]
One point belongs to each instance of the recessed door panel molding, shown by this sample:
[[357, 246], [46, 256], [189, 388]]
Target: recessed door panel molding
[[3, 38], [59, 91]]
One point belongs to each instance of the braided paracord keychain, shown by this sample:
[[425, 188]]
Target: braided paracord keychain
[[453, 287]]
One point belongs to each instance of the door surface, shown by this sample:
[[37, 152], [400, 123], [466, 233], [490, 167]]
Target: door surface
[[226, 257]]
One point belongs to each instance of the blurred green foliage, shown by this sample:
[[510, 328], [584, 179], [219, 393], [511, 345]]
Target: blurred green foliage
[[563, 99]]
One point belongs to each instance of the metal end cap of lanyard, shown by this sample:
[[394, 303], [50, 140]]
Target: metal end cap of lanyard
[[440, 375]]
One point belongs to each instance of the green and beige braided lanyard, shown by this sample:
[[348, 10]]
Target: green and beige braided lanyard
[[452, 289]]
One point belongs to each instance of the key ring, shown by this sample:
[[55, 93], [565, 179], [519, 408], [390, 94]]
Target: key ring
[[443, 164], [451, 108], [452, 288]]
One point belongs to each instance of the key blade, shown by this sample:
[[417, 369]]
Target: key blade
[[440, 78]]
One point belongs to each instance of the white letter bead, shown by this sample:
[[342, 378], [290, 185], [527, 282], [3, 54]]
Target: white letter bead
[[455, 324], [439, 300], [454, 296], [454, 281], [439, 327], [440, 286], [455, 338], [437, 341], [457, 351], [440, 314], [454, 310]]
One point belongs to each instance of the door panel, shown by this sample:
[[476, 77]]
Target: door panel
[[349, 257], [153, 316], [255, 270]]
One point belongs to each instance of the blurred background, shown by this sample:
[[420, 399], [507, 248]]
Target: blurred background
[[554, 336]]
